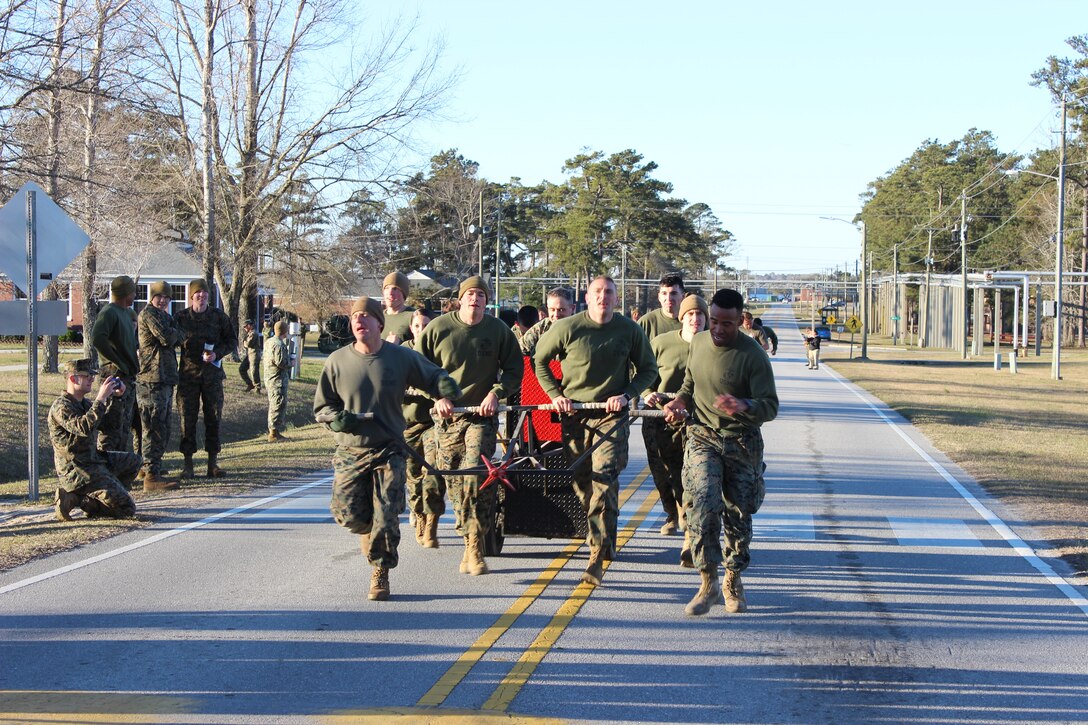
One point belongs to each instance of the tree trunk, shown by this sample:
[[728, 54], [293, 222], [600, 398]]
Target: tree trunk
[[207, 122], [49, 364]]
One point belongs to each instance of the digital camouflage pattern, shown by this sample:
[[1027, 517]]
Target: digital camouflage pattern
[[426, 492], [158, 334], [531, 336], [97, 478], [596, 481], [200, 384], [251, 363], [115, 428], [156, 404], [368, 497], [665, 456], [723, 476], [462, 440], [277, 375]]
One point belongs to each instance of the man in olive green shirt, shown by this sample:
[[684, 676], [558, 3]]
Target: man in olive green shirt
[[617, 345], [114, 338], [371, 376], [482, 356], [398, 315], [670, 292], [665, 442], [729, 391]]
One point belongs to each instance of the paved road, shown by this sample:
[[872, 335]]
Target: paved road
[[884, 588]]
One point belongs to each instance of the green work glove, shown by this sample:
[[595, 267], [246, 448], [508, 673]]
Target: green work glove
[[344, 422]]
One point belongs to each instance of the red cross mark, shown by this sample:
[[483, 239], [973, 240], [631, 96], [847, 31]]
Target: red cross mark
[[496, 473]]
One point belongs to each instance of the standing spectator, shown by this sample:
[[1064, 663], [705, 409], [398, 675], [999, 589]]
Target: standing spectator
[[770, 333], [114, 338], [200, 385], [277, 374], [426, 491], [398, 315], [90, 479], [812, 348], [251, 363], [560, 301], [670, 291], [665, 442], [372, 376], [596, 349], [159, 334], [481, 355], [729, 390]]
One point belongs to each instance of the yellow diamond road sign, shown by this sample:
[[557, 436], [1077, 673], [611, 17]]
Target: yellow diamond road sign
[[831, 319], [853, 324]]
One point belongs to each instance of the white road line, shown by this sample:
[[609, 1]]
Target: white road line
[[933, 532], [782, 525], [1018, 544], [159, 537]]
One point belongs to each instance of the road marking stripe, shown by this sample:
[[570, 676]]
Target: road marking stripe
[[511, 685], [459, 669], [913, 531], [1018, 545], [159, 537]]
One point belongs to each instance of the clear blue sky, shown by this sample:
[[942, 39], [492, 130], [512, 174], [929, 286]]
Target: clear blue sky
[[774, 114]]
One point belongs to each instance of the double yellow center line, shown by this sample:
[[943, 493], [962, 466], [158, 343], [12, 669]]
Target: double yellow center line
[[508, 689]]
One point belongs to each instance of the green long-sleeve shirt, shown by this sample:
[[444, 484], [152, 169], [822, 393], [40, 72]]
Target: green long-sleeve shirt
[[376, 383], [742, 370], [480, 358], [671, 352], [115, 339], [595, 359], [656, 323]]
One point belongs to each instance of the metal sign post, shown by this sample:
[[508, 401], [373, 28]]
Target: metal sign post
[[31, 348]]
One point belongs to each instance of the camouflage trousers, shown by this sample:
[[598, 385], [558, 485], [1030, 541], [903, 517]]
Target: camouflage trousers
[[723, 485], [597, 480], [461, 442], [115, 428], [104, 494], [277, 403], [665, 455], [193, 394], [426, 492], [156, 403], [368, 497], [251, 363]]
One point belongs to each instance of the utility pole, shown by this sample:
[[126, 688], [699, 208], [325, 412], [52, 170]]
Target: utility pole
[[1056, 361], [480, 240], [929, 270], [963, 266], [866, 274], [895, 294], [498, 255]]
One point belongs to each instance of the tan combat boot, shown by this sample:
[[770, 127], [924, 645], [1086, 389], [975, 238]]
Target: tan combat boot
[[595, 570], [187, 469], [734, 593], [379, 584], [430, 532], [63, 503], [214, 471], [421, 529], [152, 482], [669, 527], [685, 552], [708, 595], [463, 568], [476, 563]]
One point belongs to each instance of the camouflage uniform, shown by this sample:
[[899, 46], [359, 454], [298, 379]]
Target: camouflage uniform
[[114, 338], [596, 482], [462, 440], [159, 334], [426, 492], [201, 384], [251, 364], [98, 478], [723, 476], [368, 497], [532, 335], [277, 375]]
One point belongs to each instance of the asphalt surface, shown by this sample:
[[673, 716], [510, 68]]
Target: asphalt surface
[[884, 587]]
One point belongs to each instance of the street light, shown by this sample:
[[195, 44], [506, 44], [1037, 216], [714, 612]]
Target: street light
[[864, 283], [1059, 251]]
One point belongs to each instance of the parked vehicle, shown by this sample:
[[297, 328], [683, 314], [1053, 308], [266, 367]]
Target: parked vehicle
[[335, 333], [823, 332]]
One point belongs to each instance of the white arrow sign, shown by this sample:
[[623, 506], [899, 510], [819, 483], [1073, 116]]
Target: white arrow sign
[[59, 239]]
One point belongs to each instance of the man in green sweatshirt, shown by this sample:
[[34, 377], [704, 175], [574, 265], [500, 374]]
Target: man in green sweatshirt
[[482, 356], [114, 338], [665, 442], [371, 376], [670, 292], [596, 349], [729, 392]]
